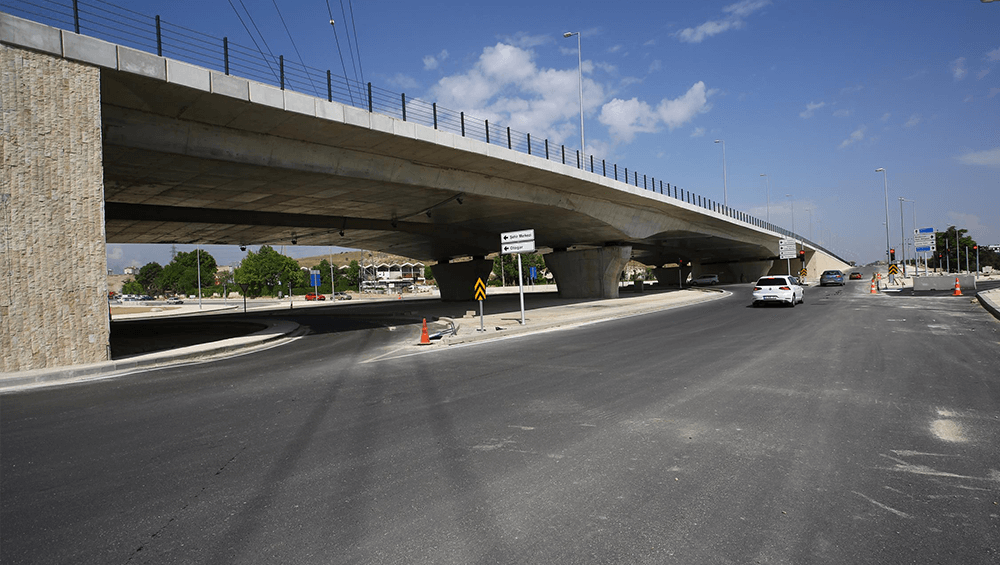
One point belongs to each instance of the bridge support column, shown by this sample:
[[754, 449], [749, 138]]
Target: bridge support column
[[457, 281], [669, 277], [53, 263], [589, 273], [742, 272]]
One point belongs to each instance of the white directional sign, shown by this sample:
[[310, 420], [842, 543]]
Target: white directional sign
[[517, 236], [787, 248], [520, 247], [521, 241]]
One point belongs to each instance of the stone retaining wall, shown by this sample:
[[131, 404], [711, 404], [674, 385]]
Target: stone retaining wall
[[53, 286]]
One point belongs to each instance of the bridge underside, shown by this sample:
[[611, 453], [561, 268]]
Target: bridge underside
[[191, 156]]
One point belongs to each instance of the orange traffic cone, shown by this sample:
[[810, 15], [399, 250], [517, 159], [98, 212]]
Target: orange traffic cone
[[958, 288], [874, 288], [424, 338]]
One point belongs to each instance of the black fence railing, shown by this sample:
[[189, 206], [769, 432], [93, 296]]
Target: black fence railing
[[126, 27]]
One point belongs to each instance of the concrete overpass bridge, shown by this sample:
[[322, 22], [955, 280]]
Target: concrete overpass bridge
[[108, 144]]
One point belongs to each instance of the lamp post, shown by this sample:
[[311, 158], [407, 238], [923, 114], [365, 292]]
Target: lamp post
[[902, 233], [885, 181], [792, 204], [199, 278], [579, 53], [768, 196], [810, 223], [725, 181]]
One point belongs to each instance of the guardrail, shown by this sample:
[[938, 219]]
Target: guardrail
[[152, 34]]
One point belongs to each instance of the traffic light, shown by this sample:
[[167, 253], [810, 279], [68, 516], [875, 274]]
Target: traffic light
[[802, 256], [892, 254]]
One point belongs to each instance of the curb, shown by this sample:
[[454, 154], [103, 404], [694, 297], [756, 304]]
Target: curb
[[518, 330], [13, 382], [988, 302]]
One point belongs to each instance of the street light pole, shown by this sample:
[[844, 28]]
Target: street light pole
[[810, 223], [199, 278], [792, 203], [902, 235], [579, 53], [885, 180], [768, 196], [725, 180]]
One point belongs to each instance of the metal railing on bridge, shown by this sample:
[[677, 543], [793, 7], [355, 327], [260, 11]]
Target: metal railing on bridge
[[126, 27]]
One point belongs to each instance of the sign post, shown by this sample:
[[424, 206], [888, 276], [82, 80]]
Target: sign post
[[480, 296], [924, 241], [787, 252], [314, 281], [518, 242]]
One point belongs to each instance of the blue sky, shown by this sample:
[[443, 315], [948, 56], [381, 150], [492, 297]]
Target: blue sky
[[814, 94]]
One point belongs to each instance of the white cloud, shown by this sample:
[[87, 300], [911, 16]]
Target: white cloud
[[856, 135], [885, 117], [656, 65], [993, 55], [505, 85], [982, 74], [432, 62], [913, 121], [988, 158], [842, 113], [993, 92], [734, 20], [115, 253], [625, 118], [698, 132], [852, 89], [403, 81], [958, 69], [811, 109]]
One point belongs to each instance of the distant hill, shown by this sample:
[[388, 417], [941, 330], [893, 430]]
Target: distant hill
[[345, 258]]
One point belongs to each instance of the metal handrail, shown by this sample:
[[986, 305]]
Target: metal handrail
[[150, 33]]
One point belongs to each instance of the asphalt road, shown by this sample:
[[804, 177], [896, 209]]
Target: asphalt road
[[850, 429]]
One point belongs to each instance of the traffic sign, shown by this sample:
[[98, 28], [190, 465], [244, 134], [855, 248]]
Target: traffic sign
[[787, 248], [893, 269], [517, 236], [520, 247], [480, 290]]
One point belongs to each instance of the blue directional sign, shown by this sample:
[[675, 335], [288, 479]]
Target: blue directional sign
[[924, 240], [314, 278]]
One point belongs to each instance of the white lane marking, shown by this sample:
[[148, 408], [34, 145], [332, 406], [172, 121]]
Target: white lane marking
[[899, 513], [948, 430]]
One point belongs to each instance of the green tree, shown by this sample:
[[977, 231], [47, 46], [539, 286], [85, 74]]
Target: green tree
[[265, 270], [352, 276], [505, 268], [147, 277], [324, 275], [181, 274], [132, 286], [948, 255]]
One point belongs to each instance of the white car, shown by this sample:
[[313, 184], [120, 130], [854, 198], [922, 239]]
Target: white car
[[705, 280], [778, 289]]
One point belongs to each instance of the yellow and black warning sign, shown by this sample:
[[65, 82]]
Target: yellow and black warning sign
[[893, 269], [480, 290], [803, 273]]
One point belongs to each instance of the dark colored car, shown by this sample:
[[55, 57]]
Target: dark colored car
[[831, 277]]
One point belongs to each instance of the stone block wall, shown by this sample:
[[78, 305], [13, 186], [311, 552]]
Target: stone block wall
[[53, 265]]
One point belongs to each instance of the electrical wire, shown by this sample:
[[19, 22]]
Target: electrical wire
[[295, 47], [268, 62], [350, 4], [340, 51], [349, 46]]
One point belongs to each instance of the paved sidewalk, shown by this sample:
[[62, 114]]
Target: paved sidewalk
[[545, 311]]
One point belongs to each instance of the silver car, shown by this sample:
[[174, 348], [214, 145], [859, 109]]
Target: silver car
[[778, 289]]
